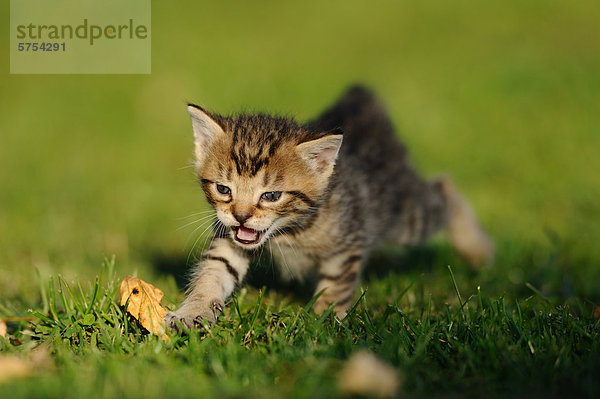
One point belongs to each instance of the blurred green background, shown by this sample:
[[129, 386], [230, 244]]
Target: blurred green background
[[502, 96]]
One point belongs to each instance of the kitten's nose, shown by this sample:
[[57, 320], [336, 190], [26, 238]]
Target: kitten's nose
[[242, 214]]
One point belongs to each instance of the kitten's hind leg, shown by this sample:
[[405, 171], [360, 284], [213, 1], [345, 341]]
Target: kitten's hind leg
[[465, 233], [338, 277]]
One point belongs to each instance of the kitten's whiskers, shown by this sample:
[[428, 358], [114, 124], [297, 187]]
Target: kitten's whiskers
[[289, 270], [202, 219], [204, 212], [211, 223]]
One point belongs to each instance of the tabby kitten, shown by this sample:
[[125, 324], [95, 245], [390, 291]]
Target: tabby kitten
[[325, 194]]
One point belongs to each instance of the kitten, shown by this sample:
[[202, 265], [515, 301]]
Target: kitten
[[325, 194]]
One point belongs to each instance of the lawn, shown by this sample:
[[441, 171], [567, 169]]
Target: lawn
[[96, 184]]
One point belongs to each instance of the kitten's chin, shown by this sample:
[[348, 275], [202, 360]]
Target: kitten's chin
[[247, 238]]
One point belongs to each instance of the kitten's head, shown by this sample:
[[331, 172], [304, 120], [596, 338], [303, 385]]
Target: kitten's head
[[263, 175]]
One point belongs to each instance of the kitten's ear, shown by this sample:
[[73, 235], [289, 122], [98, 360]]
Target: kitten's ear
[[320, 154], [205, 129]]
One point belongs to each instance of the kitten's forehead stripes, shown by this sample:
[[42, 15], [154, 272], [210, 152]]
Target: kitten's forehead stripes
[[279, 178], [256, 138]]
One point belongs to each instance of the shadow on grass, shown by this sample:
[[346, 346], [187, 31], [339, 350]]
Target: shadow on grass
[[421, 259], [264, 272], [556, 269]]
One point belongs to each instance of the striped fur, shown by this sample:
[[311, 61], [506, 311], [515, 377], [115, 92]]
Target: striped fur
[[334, 202]]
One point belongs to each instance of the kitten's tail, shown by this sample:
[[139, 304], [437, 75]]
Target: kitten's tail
[[358, 95], [466, 234], [439, 205], [358, 105]]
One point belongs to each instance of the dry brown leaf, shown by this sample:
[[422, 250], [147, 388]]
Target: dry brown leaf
[[12, 367], [365, 374], [2, 328], [144, 304]]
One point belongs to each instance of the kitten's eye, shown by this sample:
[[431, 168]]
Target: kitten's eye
[[223, 189], [271, 196]]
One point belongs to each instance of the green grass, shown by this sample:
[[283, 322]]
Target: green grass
[[264, 346], [503, 97]]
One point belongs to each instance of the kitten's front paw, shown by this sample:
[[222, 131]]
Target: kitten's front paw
[[194, 315]]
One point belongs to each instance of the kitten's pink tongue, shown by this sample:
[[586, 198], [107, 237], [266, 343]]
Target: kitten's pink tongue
[[246, 234]]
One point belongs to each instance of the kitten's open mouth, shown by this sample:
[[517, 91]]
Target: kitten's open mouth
[[246, 236]]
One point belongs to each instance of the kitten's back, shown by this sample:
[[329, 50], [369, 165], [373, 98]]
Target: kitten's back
[[373, 168], [367, 128]]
